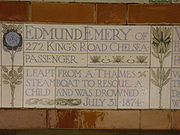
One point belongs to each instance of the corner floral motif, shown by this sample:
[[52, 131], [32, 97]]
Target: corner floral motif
[[12, 43], [161, 39]]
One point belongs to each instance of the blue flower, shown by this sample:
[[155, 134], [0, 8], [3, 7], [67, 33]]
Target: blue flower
[[12, 40]]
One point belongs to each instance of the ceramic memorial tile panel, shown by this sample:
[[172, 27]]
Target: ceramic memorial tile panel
[[55, 45], [118, 46], [175, 89], [133, 88], [87, 88], [89, 66], [39, 87]]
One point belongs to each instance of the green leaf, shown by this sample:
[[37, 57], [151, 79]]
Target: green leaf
[[165, 82], [18, 82], [20, 69], [167, 54], [162, 72], [4, 26], [19, 26], [154, 75], [158, 73], [155, 55], [20, 76], [155, 82], [166, 75], [5, 77], [154, 47], [163, 47], [5, 82], [5, 69]]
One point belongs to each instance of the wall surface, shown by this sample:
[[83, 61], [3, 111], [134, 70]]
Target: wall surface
[[92, 12]]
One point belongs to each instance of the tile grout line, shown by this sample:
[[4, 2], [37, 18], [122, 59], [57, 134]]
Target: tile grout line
[[87, 63], [55, 88], [117, 87], [23, 71], [150, 68], [172, 54], [1, 64]]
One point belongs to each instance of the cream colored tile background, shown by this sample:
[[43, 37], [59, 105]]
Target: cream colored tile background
[[82, 51]]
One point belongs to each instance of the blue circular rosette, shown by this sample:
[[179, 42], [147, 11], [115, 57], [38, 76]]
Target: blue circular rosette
[[12, 40]]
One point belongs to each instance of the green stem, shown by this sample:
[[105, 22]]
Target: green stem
[[161, 60], [11, 85], [12, 59], [12, 94]]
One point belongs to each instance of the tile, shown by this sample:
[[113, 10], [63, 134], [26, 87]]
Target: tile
[[161, 48], [120, 42], [55, 45], [111, 13], [176, 47], [12, 86], [160, 88], [12, 35], [133, 88], [0, 88], [39, 87], [0, 66], [176, 120], [160, 1], [114, 1], [175, 89], [175, 1], [153, 14], [22, 119], [14, 11], [33, 0], [1, 41], [86, 88], [63, 12], [63, 119], [176, 60], [156, 119], [97, 119], [59, 0]]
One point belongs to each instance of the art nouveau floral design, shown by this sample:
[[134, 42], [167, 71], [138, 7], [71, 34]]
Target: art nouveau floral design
[[119, 59], [12, 43], [161, 50], [58, 101]]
